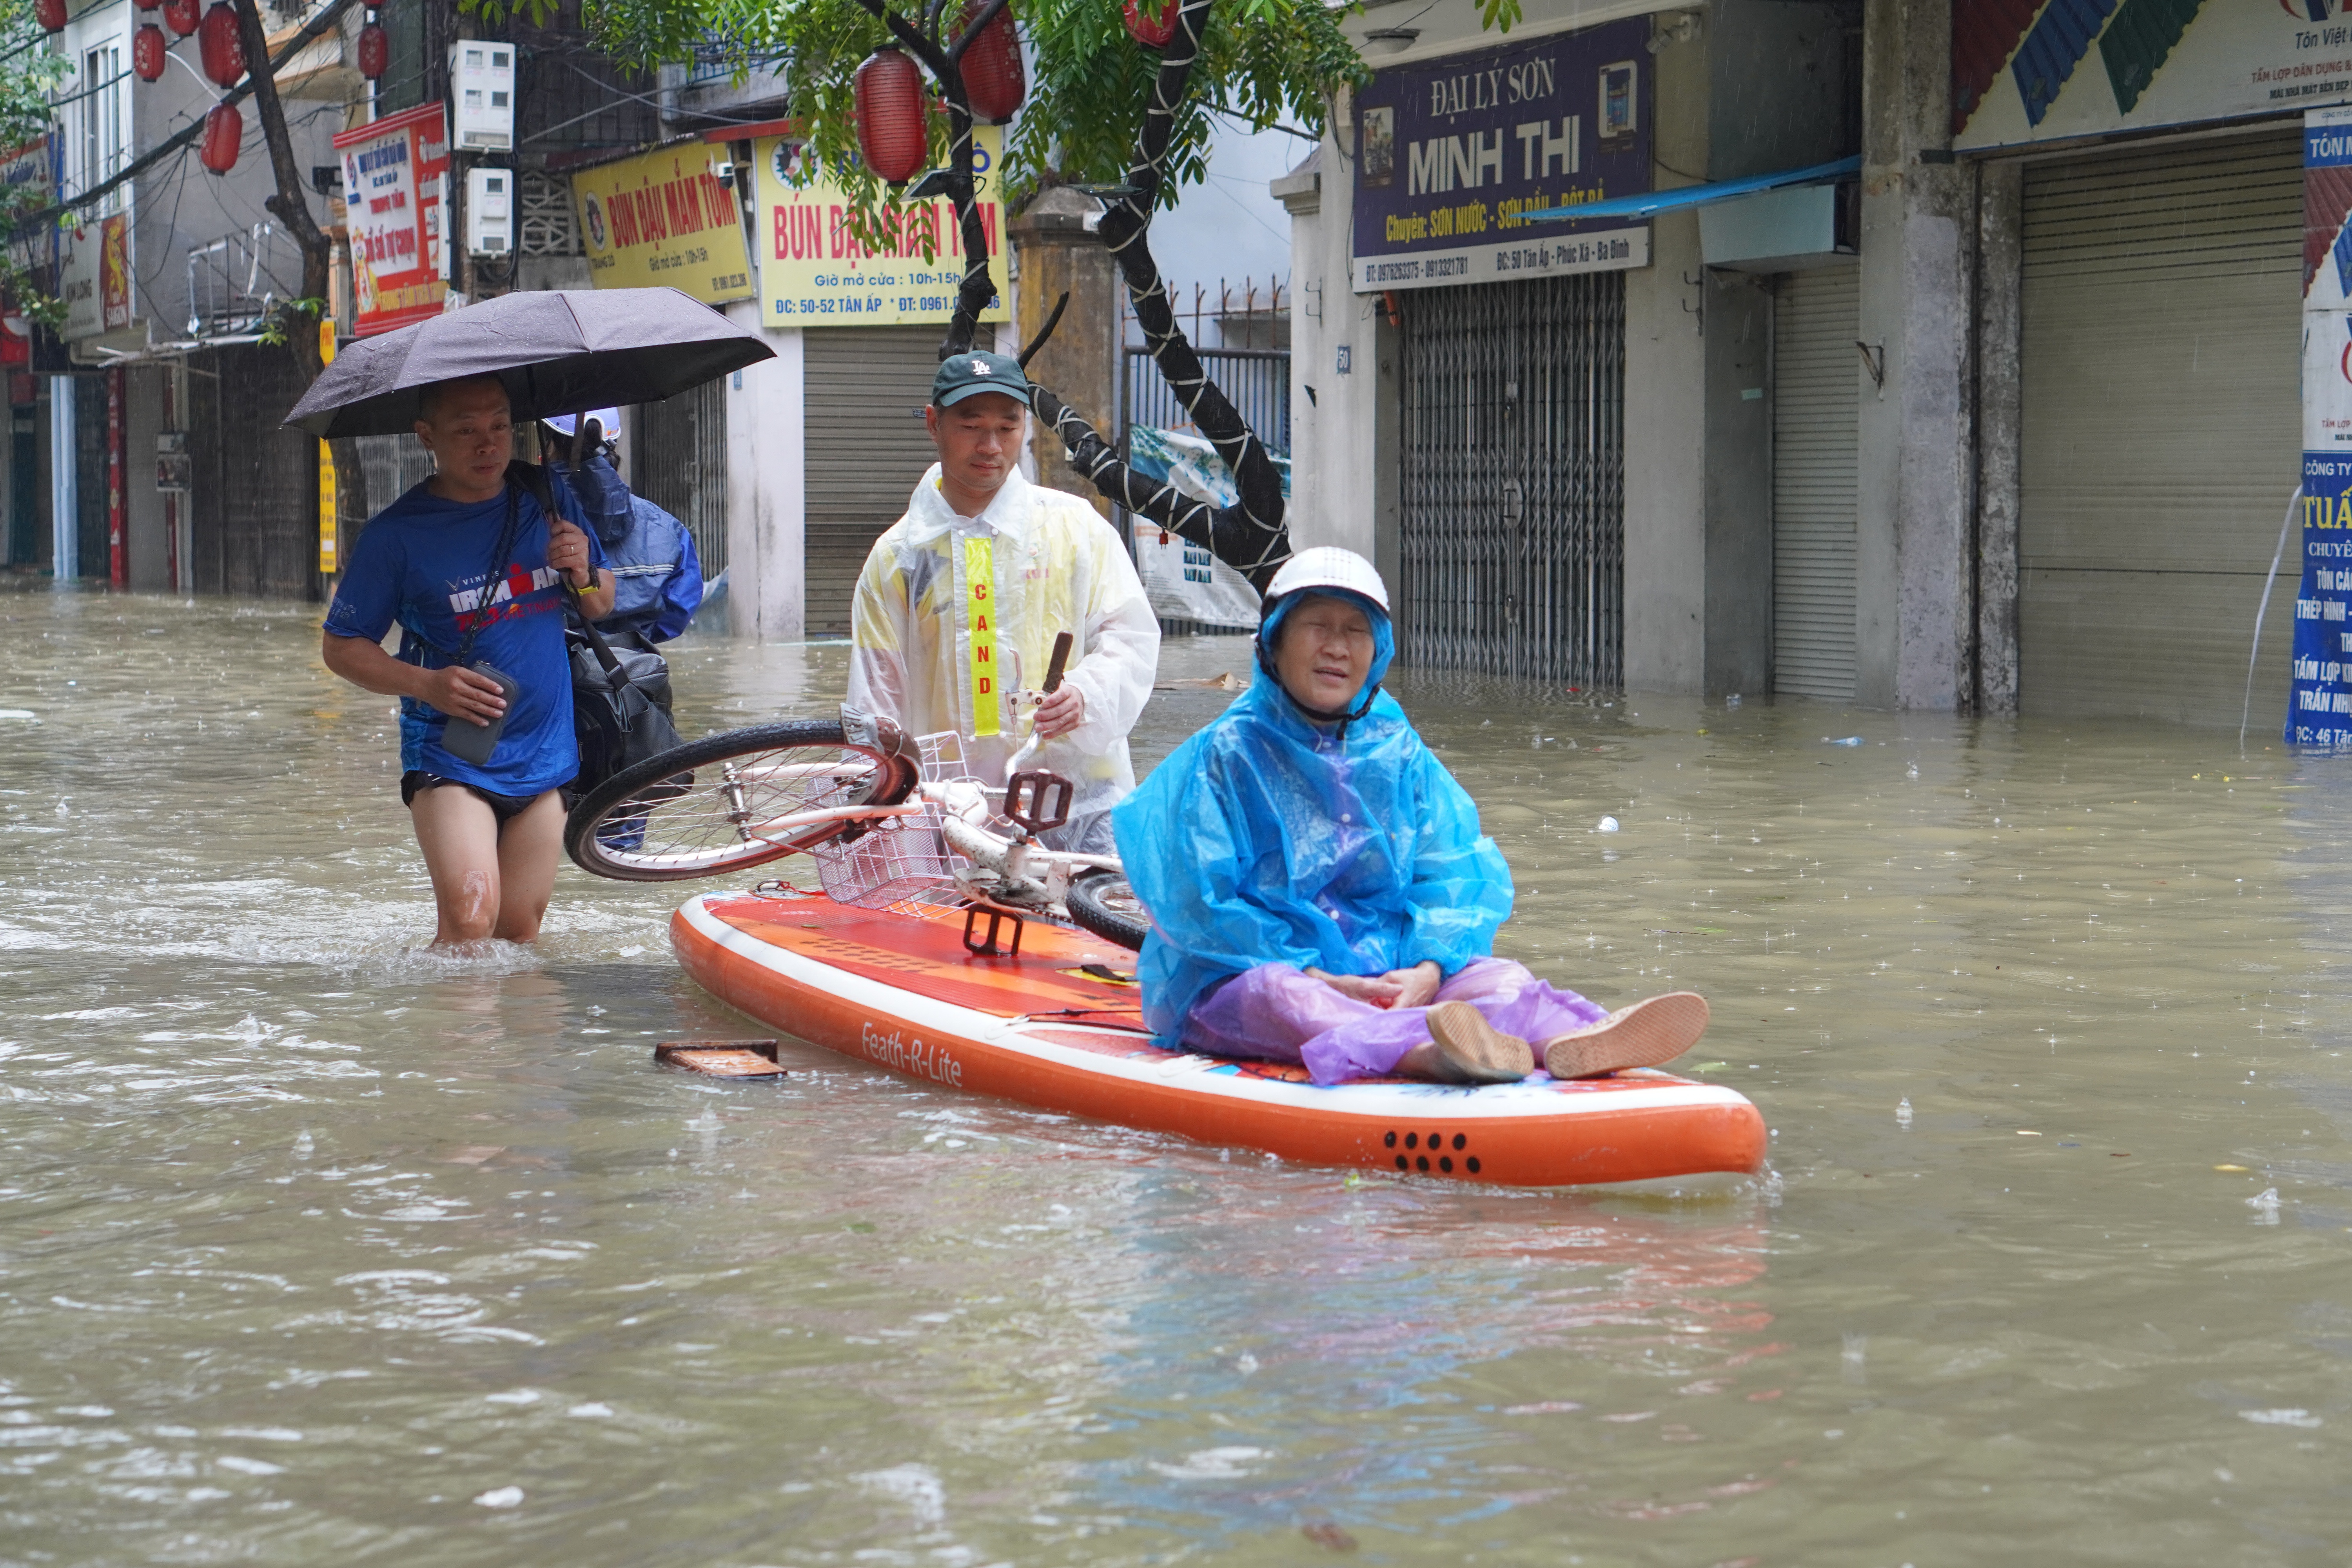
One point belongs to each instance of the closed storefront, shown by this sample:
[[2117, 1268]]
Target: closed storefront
[[1816, 320], [865, 388], [2160, 413], [679, 464], [1512, 525]]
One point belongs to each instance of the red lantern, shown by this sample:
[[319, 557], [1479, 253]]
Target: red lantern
[[224, 130], [1152, 32], [375, 49], [889, 91], [183, 15], [147, 48], [50, 14], [149, 4], [217, 43], [993, 82]]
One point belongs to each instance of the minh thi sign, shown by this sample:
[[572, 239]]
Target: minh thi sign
[[813, 273], [1451, 152]]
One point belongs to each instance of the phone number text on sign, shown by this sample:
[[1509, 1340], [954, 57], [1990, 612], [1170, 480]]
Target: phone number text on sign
[[812, 265]]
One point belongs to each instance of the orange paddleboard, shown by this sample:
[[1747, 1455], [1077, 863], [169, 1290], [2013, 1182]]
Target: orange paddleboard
[[1046, 1029]]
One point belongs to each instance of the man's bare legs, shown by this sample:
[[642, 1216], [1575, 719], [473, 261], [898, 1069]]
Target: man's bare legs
[[488, 880]]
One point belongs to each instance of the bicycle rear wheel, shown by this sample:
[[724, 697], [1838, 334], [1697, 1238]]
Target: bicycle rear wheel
[[723, 802], [1103, 904]]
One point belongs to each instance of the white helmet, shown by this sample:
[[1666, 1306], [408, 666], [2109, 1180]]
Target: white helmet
[[610, 418], [1329, 566]]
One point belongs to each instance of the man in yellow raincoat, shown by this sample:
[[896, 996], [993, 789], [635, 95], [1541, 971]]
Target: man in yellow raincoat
[[961, 600]]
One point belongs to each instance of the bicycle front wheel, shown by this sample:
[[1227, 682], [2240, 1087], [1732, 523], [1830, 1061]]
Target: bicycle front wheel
[[730, 801]]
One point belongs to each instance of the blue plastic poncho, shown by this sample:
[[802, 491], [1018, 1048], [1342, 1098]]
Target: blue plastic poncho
[[1268, 839]]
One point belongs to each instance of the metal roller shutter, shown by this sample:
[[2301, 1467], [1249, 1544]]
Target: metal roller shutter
[[1513, 521], [864, 430], [1816, 319], [2162, 419], [681, 466]]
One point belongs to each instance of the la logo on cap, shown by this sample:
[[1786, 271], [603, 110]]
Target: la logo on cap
[[980, 367]]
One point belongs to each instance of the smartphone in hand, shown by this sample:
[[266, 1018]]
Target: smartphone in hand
[[469, 742]]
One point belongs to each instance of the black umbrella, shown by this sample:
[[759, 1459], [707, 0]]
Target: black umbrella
[[556, 350]]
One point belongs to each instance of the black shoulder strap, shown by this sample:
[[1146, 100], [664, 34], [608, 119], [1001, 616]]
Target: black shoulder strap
[[534, 478]]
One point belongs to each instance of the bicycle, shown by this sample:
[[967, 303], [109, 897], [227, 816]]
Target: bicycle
[[891, 823]]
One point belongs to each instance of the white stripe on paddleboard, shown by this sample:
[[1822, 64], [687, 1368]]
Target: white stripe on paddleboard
[[896, 1011]]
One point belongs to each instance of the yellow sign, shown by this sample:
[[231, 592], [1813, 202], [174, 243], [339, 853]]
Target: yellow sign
[[326, 467], [980, 613], [813, 273], [660, 218]]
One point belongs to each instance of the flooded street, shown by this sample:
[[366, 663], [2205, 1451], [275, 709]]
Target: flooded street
[[317, 1247]]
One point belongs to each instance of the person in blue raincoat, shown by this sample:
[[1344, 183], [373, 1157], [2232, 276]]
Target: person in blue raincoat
[[1320, 892], [656, 573]]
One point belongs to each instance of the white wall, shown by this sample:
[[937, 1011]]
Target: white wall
[[767, 500]]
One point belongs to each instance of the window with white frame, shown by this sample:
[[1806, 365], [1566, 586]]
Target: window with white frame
[[101, 123]]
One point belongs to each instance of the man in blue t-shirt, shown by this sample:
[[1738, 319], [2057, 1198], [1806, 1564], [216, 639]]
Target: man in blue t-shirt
[[491, 833]]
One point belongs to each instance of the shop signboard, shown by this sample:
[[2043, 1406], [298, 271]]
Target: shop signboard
[[2050, 70], [94, 278], [395, 173], [2319, 707], [28, 182], [813, 273], [1451, 151], [660, 218], [28, 177]]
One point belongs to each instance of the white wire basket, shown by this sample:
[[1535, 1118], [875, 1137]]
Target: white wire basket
[[901, 865]]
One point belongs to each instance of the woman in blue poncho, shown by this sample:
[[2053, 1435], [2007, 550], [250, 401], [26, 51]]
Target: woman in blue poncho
[[1320, 892]]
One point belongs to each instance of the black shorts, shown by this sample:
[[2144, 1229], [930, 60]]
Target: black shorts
[[505, 807]]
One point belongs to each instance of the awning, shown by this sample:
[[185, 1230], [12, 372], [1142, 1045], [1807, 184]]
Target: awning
[[1697, 196]]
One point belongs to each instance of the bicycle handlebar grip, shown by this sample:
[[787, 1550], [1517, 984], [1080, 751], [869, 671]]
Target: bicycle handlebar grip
[[1054, 666]]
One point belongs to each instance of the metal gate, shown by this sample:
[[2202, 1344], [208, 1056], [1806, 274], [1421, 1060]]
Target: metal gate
[[1514, 482], [679, 464], [1257, 381]]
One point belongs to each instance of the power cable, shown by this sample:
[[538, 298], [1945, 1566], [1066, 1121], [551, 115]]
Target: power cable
[[181, 139]]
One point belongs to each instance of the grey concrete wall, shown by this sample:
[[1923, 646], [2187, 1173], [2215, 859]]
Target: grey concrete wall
[[1665, 392], [1665, 463], [1777, 86], [1738, 484], [2000, 203], [1914, 587], [142, 502]]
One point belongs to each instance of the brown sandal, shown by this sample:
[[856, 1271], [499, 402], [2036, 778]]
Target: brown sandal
[[1644, 1035], [1472, 1050]]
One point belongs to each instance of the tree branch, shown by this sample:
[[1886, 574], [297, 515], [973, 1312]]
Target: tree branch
[[1252, 536]]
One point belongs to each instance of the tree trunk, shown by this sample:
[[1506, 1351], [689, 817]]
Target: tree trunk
[[291, 208]]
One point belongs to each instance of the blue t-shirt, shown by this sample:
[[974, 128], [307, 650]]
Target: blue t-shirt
[[423, 563]]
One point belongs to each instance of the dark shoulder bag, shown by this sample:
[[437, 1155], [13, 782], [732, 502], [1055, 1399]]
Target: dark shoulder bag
[[620, 697]]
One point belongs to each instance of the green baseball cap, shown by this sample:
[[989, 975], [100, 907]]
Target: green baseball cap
[[968, 374]]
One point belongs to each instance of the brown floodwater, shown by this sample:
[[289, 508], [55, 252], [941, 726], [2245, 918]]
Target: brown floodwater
[[315, 1246]]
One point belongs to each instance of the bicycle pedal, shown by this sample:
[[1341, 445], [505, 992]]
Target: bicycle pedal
[[991, 945], [1038, 800]]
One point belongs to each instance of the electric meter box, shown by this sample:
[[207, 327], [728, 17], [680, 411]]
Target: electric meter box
[[489, 211], [481, 95]]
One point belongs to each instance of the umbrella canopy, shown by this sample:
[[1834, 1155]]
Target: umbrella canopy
[[556, 350]]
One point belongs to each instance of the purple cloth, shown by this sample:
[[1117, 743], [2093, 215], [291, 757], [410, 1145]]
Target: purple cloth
[[1279, 1013]]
